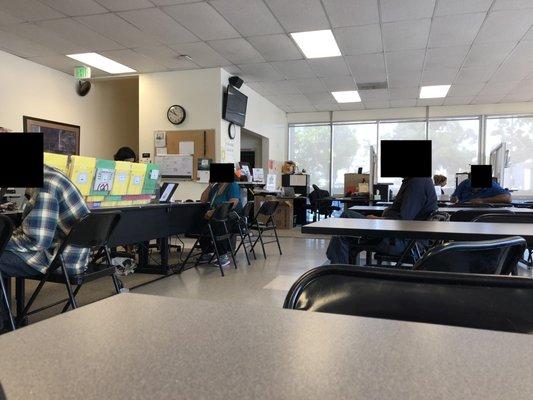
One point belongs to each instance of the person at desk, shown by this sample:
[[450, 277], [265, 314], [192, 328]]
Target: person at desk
[[416, 200], [465, 193], [48, 217], [440, 180], [125, 154], [216, 194]]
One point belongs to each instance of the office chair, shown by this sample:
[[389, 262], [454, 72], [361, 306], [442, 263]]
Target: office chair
[[476, 301], [469, 215], [6, 229], [93, 232], [320, 203], [497, 257]]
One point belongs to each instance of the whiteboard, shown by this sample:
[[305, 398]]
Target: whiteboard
[[175, 165]]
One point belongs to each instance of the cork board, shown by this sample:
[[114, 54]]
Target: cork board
[[204, 144]]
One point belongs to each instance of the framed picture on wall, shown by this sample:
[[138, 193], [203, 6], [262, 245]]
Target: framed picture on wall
[[59, 137]]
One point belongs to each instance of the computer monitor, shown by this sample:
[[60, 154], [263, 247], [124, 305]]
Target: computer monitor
[[405, 158], [167, 191], [481, 176], [21, 160], [221, 173]]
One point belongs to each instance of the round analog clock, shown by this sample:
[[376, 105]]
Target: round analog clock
[[176, 114], [232, 130]]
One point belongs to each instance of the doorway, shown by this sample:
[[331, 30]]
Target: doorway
[[252, 148]]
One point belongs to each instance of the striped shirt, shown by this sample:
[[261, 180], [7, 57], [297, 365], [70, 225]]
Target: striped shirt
[[47, 219]]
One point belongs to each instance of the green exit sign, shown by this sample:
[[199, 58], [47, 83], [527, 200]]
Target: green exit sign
[[82, 72]]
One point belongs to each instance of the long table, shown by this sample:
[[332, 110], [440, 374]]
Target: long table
[[118, 348], [379, 209], [435, 230]]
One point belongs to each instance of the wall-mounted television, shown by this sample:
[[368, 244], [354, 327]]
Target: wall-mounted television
[[235, 106]]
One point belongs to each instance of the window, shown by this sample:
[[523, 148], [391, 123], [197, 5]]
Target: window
[[454, 146], [351, 150], [309, 148], [397, 130], [517, 133]]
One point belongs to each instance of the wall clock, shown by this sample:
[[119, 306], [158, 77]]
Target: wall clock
[[176, 114], [232, 130]]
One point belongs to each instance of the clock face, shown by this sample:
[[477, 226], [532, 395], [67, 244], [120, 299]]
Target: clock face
[[232, 130], [176, 114]]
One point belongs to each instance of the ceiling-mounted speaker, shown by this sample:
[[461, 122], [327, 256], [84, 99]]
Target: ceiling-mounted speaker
[[236, 81], [83, 87]]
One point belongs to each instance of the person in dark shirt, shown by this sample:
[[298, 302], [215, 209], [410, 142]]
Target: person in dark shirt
[[465, 193], [416, 200]]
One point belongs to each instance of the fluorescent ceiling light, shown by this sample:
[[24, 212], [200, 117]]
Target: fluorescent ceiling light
[[317, 44], [347, 96], [434, 92], [98, 61]]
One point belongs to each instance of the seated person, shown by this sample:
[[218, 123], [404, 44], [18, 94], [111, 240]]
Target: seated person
[[125, 154], [217, 194], [440, 180], [465, 193], [48, 217], [416, 200]]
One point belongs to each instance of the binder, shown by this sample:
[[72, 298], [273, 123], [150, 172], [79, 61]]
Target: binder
[[151, 178], [103, 178], [121, 179], [57, 161], [82, 173], [138, 172]]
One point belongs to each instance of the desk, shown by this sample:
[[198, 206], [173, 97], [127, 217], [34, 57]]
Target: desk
[[435, 230], [378, 210], [124, 347]]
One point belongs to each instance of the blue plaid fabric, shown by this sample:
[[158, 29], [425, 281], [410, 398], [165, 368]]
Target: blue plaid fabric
[[48, 217]]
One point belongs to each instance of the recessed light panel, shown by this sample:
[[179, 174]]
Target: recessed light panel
[[347, 96], [434, 92], [317, 44], [105, 64]]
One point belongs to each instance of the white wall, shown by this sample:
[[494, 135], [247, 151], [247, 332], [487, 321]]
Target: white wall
[[107, 116]]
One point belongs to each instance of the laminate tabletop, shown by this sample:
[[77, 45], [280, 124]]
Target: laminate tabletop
[[148, 347], [450, 210]]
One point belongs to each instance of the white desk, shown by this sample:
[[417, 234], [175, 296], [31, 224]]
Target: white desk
[[146, 347]]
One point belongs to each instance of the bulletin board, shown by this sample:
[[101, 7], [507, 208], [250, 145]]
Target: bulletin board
[[204, 144]]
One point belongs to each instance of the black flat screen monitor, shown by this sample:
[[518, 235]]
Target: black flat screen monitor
[[221, 173], [21, 159], [405, 158], [235, 104], [481, 176]]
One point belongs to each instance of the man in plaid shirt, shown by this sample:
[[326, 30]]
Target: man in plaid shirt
[[48, 217]]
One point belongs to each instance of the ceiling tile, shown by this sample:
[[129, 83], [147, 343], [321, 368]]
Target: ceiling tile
[[259, 72], [326, 107], [374, 104], [294, 69], [134, 60], [124, 5], [238, 51], [166, 57], [299, 15], [465, 90], [331, 66], [232, 69], [377, 94], [75, 8], [249, 17], [8, 19], [44, 37], [321, 98], [406, 35], [359, 39], [279, 88], [403, 103], [79, 34], [522, 53], [275, 47], [171, 2], [29, 10], [487, 99], [309, 85], [513, 72], [302, 108], [394, 10], [351, 106], [367, 67], [511, 4], [405, 61], [158, 24], [63, 64], [474, 74], [455, 30], [338, 83], [450, 7], [516, 98], [203, 55], [498, 88], [351, 12], [22, 47], [482, 54], [115, 28], [295, 100], [429, 102], [404, 93], [403, 79], [202, 20], [445, 57], [457, 100], [438, 76], [505, 26]]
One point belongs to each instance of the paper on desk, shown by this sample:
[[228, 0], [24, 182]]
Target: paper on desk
[[186, 148]]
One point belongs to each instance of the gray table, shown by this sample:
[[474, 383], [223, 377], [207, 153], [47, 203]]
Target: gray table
[[379, 209], [146, 347], [435, 230]]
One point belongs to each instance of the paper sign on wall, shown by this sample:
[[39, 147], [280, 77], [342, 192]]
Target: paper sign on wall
[[160, 139], [161, 151], [186, 148]]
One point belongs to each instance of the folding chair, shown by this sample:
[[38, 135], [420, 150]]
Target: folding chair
[[266, 213], [93, 232], [6, 229], [243, 223]]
